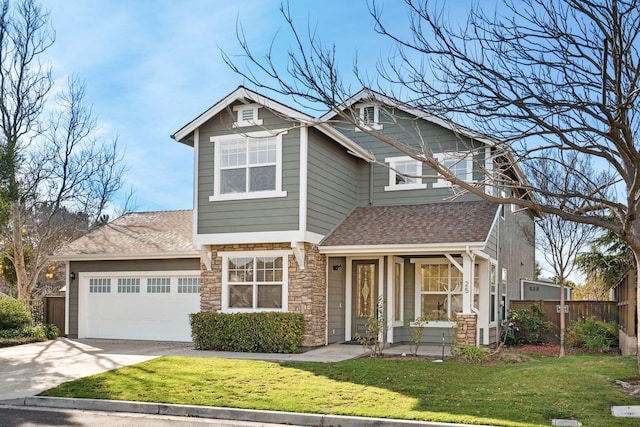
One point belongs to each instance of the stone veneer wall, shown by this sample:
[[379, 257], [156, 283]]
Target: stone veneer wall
[[466, 329], [307, 290]]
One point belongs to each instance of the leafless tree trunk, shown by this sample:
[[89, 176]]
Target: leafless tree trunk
[[56, 178], [537, 76]]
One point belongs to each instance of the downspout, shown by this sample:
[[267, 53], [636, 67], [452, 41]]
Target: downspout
[[472, 256]]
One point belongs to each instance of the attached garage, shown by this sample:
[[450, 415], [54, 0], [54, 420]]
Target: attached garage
[[135, 278], [138, 305]]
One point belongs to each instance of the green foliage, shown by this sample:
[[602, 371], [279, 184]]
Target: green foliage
[[594, 335], [11, 342], [51, 332], [14, 313], [525, 326], [470, 353], [265, 332], [415, 332], [375, 328]]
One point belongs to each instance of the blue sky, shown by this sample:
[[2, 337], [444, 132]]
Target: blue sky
[[151, 66]]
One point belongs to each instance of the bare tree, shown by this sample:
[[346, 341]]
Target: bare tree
[[56, 178], [538, 76], [560, 241]]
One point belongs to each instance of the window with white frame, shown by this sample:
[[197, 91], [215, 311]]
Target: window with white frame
[[248, 166], [158, 285], [369, 117], [493, 284], [398, 284], [128, 286], [254, 282], [404, 174], [439, 289], [188, 285], [99, 286], [247, 115], [460, 164]]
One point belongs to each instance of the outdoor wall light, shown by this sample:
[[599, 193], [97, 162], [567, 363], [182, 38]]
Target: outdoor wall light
[[72, 276], [337, 267]]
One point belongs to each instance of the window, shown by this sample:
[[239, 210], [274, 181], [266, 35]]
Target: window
[[99, 286], [440, 289], [404, 174], [255, 281], [369, 117], [398, 284], [493, 283], [158, 285], [248, 166], [188, 285], [460, 164], [128, 286], [247, 115]]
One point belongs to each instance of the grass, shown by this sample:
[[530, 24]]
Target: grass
[[507, 394]]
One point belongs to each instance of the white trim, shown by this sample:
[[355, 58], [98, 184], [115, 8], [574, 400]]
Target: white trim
[[257, 237], [446, 259], [304, 168], [392, 261], [243, 107], [376, 125], [276, 192], [428, 249], [67, 283], [393, 165], [253, 254], [196, 180], [123, 256], [461, 156]]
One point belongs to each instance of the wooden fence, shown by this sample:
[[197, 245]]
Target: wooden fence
[[607, 311]]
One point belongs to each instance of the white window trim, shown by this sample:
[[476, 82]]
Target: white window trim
[[398, 261], [251, 254], [242, 123], [419, 262], [217, 196], [393, 161], [463, 156], [376, 125]]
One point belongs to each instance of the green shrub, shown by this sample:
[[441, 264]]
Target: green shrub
[[264, 332], [525, 326], [470, 353], [594, 335], [10, 342], [51, 332], [14, 313]]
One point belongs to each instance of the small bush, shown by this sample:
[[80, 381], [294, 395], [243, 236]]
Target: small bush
[[10, 342], [594, 335], [14, 313], [470, 354], [51, 332], [265, 332], [525, 326], [44, 332]]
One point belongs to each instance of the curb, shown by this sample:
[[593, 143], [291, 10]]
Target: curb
[[233, 414]]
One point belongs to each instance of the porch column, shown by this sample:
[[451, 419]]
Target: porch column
[[467, 284]]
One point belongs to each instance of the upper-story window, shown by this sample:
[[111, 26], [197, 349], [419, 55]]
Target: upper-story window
[[248, 166], [459, 163], [404, 174], [369, 116], [247, 115]]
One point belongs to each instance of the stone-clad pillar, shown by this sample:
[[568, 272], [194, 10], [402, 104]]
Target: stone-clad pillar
[[466, 329]]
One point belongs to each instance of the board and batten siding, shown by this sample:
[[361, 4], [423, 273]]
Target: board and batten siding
[[331, 184], [252, 215], [118, 266]]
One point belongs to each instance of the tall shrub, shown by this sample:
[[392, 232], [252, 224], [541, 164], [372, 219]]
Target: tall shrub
[[14, 313], [525, 326]]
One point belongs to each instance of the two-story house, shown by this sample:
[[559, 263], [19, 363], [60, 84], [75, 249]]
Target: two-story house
[[317, 216]]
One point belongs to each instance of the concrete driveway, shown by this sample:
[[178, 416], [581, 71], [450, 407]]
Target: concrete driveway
[[27, 370]]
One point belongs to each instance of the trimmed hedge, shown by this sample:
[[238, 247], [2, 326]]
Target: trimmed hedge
[[14, 313], [264, 332]]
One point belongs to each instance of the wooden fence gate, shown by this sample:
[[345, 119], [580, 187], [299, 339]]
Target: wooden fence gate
[[54, 312], [606, 311]]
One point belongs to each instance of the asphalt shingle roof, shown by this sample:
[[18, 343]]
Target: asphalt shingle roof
[[138, 233], [449, 222]]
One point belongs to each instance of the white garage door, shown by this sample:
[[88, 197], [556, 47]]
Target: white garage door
[[138, 305]]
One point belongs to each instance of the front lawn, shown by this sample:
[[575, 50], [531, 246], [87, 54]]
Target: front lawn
[[507, 394]]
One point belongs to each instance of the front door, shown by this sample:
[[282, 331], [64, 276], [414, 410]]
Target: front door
[[365, 294]]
